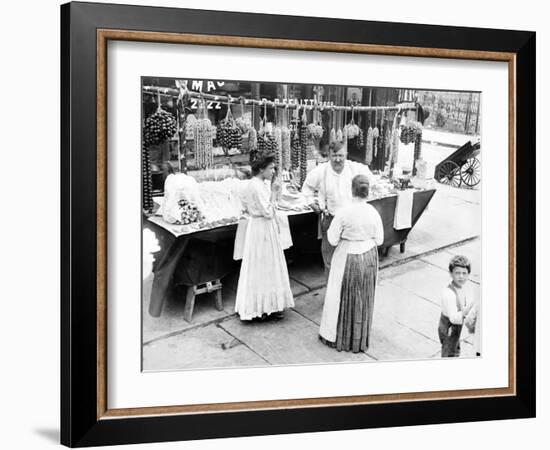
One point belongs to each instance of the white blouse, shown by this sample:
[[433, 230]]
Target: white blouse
[[257, 199], [332, 189], [358, 221]]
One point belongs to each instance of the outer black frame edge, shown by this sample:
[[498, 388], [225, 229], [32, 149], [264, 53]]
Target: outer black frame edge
[[79, 426], [65, 228], [526, 227]]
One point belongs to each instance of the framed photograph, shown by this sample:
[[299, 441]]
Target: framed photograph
[[280, 224]]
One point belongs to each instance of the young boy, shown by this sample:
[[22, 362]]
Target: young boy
[[455, 306]]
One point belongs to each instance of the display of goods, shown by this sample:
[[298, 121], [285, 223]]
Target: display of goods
[[332, 137], [303, 153], [222, 200], [292, 199], [382, 142], [252, 155], [369, 146], [304, 118], [417, 150], [418, 146], [158, 127], [361, 139], [190, 127], [189, 212], [375, 136], [421, 169], [410, 131], [339, 135], [147, 183], [381, 189], [351, 130], [252, 139], [278, 136], [229, 135], [315, 131], [203, 143], [266, 143], [405, 135], [244, 123], [285, 148], [295, 150], [217, 174], [394, 146], [181, 199], [357, 141]]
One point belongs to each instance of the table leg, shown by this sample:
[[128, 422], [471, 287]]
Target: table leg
[[402, 247], [219, 300], [386, 252], [189, 304]]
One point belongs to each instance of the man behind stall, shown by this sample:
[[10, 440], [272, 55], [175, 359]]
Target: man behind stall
[[328, 188]]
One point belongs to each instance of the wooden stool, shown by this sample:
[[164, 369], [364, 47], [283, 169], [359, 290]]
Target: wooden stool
[[193, 291]]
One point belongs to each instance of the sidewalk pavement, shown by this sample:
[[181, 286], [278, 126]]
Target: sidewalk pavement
[[406, 311]]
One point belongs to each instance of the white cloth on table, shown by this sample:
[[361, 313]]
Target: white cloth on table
[[403, 209], [264, 285], [356, 229], [333, 190]]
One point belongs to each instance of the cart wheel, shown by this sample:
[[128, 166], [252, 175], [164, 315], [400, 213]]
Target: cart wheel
[[449, 173], [470, 172]]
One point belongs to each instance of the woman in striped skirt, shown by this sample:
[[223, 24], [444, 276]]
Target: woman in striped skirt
[[356, 231]]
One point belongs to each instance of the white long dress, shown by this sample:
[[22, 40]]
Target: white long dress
[[264, 286]]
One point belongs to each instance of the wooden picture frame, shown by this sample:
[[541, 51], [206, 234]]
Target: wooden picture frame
[[85, 417]]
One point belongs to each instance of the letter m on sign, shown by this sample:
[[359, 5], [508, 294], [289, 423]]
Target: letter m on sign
[[197, 85]]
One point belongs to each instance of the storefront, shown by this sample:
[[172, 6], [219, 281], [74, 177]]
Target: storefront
[[210, 131]]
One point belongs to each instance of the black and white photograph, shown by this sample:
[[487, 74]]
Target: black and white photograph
[[302, 224]]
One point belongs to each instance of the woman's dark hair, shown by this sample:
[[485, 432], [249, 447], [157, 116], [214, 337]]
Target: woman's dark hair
[[459, 261], [360, 186], [260, 163]]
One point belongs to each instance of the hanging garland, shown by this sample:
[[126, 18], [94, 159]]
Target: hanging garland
[[315, 129], [147, 183], [266, 140], [382, 143], [190, 127], [417, 148], [228, 134], [285, 143], [394, 141], [332, 137], [303, 148], [204, 138], [278, 138], [375, 135], [252, 140], [351, 130], [159, 126], [369, 146], [295, 141], [339, 133]]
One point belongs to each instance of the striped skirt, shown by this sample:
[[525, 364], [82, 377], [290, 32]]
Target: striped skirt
[[356, 302]]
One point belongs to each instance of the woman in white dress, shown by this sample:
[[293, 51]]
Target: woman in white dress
[[356, 231], [264, 286]]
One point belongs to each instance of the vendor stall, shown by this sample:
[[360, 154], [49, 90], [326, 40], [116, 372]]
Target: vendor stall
[[207, 255], [195, 219]]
